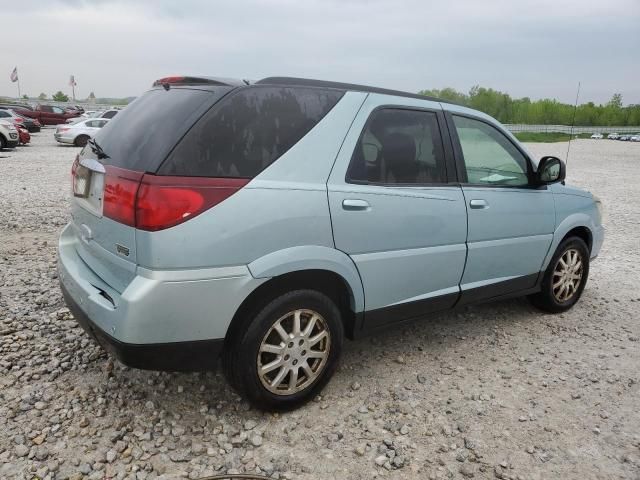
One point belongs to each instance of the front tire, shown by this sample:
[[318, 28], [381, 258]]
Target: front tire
[[565, 277], [288, 352], [3, 142]]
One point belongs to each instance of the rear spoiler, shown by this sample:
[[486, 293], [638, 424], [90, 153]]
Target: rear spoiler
[[189, 80]]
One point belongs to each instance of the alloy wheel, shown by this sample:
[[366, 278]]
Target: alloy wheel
[[294, 352], [567, 275]]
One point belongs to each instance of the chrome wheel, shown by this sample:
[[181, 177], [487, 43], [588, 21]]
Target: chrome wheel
[[294, 352], [567, 275]]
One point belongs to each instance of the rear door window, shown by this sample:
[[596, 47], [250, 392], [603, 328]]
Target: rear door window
[[141, 136], [399, 146], [249, 130]]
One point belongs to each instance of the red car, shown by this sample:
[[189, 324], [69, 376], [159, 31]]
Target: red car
[[48, 114], [24, 136]]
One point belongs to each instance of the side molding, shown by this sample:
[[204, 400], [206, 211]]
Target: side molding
[[312, 257]]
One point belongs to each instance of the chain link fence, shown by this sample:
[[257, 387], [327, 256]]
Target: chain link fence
[[520, 127]]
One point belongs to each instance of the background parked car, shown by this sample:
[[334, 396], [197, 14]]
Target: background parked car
[[635, 138], [31, 124], [95, 114], [612, 136], [624, 137], [596, 136], [79, 133], [16, 106], [48, 114], [8, 135], [23, 135]]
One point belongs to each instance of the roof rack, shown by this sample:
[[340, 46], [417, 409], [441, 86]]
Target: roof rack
[[307, 82]]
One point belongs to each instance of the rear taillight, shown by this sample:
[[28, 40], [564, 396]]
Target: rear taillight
[[164, 202], [153, 203], [120, 189], [62, 129]]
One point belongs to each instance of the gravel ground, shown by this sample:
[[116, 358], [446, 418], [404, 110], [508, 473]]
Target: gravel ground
[[494, 391]]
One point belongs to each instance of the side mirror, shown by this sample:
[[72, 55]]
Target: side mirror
[[551, 170]]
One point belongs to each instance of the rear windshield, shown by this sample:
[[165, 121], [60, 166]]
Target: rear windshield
[[248, 130], [141, 136]]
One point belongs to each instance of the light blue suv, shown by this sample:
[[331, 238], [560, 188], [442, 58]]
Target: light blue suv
[[263, 223]]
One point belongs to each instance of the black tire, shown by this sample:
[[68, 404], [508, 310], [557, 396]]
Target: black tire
[[240, 357], [3, 142], [81, 140], [546, 299]]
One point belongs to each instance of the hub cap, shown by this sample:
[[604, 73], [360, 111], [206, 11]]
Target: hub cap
[[567, 275], [294, 352]]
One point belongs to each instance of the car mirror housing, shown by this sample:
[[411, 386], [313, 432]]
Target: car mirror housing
[[551, 170]]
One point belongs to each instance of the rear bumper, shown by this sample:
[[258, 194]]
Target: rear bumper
[[161, 320], [62, 139], [177, 356]]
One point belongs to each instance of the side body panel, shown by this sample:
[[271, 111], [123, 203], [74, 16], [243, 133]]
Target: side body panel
[[408, 243], [285, 206], [510, 228]]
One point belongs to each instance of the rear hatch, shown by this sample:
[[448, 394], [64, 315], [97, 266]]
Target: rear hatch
[[112, 165]]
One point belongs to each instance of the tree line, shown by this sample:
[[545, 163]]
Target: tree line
[[541, 112]]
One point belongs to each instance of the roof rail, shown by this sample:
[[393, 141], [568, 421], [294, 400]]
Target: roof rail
[[307, 82]]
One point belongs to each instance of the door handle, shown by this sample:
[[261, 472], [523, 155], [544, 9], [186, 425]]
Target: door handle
[[355, 204], [479, 203]]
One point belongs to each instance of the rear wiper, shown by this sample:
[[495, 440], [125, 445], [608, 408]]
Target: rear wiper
[[97, 149]]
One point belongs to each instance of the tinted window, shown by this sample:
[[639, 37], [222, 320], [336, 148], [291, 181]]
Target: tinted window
[[399, 147], [4, 114], [248, 131], [57, 110], [90, 123], [140, 136], [110, 114], [489, 157]]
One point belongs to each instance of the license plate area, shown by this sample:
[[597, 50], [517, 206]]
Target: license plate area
[[88, 187], [82, 182]]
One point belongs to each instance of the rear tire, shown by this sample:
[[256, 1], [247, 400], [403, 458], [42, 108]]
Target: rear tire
[[565, 277], [279, 363], [81, 140]]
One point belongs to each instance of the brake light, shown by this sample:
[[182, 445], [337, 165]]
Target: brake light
[[164, 80], [153, 203], [120, 189], [62, 129], [165, 202], [19, 120]]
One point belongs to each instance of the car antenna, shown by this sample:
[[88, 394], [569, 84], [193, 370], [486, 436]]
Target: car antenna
[[573, 121]]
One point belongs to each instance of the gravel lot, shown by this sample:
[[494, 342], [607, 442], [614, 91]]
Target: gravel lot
[[493, 391]]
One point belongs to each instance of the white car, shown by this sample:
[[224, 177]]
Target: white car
[[79, 133], [613, 136], [635, 138], [8, 135], [597, 136], [94, 114]]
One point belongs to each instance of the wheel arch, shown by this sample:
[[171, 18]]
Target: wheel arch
[[579, 225], [317, 268]]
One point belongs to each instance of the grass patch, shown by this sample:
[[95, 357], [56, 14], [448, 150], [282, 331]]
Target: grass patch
[[547, 137]]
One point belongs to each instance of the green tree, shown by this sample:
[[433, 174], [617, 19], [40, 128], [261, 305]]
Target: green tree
[[26, 97], [42, 96], [60, 97]]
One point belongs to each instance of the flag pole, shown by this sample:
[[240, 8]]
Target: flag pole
[[19, 96]]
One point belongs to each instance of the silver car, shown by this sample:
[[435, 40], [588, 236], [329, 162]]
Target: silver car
[[79, 133], [265, 223]]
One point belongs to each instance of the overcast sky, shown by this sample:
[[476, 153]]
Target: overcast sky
[[535, 48]]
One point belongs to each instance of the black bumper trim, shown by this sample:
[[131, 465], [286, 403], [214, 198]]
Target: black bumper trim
[[192, 356]]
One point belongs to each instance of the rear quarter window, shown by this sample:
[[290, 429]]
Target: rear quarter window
[[141, 136], [248, 130]]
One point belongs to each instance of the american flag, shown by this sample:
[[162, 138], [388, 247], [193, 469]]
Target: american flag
[[14, 75], [72, 81]]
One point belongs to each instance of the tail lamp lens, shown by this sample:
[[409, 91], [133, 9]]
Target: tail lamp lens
[[152, 203]]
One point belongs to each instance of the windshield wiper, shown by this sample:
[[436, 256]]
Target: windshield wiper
[[97, 149]]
